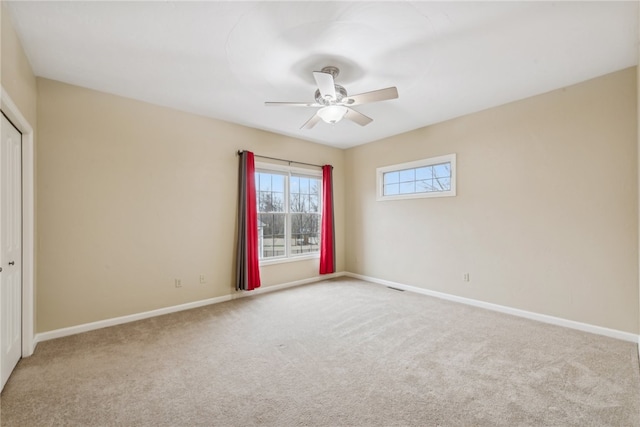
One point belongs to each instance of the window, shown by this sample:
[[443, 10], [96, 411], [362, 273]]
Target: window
[[434, 177], [288, 212]]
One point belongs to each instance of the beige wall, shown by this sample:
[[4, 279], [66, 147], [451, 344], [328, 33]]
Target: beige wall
[[20, 84], [16, 74], [128, 202], [133, 195], [546, 216]]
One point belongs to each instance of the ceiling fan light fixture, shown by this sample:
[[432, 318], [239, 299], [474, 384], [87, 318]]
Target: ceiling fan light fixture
[[332, 114], [334, 103]]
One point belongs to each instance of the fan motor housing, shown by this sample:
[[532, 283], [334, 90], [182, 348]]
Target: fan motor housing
[[341, 93]]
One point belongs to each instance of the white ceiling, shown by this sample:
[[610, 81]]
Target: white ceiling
[[224, 59]]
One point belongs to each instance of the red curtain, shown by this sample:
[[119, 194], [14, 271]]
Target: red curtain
[[327, 230], [247, 268]]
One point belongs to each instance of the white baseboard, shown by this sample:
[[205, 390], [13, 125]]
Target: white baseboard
[[72, 330], [86, 327], [585, 327]]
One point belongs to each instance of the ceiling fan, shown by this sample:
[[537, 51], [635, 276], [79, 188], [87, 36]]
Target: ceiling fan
[[335, 103]]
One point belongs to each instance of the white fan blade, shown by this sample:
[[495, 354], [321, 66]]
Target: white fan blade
[[292, 104], [325, 84], [373, 96], [357, 117], [311, 122]]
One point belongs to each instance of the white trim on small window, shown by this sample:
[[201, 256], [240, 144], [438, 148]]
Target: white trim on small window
[[433, 177]]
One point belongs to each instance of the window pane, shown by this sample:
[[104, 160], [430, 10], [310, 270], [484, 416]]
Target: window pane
[[314, 206], [391, 177], [277, 183], [407, 187], [299, 203], [271, 235], [443, 170], [294, 184], [270, 202], [262, 203], [305, 229], [304, 185], [271, 224], [390, 190], [442, 184], [314, 187], [264, 181], [407, 175], [424, 173], [294, 202], [423, 185], [270, 192], [278, 201], [305, 194]]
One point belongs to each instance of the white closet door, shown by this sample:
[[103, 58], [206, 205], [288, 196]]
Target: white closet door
[[10, 249]]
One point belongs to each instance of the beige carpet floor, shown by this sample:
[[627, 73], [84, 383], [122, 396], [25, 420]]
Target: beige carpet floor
[[336, 353]]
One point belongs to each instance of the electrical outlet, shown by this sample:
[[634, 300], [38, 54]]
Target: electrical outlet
[[466, 277], [178, 283], [202, 280]]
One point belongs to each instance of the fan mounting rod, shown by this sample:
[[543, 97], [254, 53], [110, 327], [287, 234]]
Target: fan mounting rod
[[330, 69]]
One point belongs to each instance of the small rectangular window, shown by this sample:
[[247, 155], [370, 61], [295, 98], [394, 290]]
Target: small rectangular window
[[434, 177]]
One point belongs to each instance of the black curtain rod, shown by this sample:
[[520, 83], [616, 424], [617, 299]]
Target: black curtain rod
[[281, 160]]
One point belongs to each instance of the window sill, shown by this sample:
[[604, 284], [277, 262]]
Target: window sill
[[409, 196], [291, 259]]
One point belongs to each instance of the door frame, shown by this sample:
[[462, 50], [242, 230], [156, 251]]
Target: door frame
[[11, 110]]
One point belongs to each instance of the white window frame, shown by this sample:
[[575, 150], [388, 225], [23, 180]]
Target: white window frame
[[449, 158], [290, 170]]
